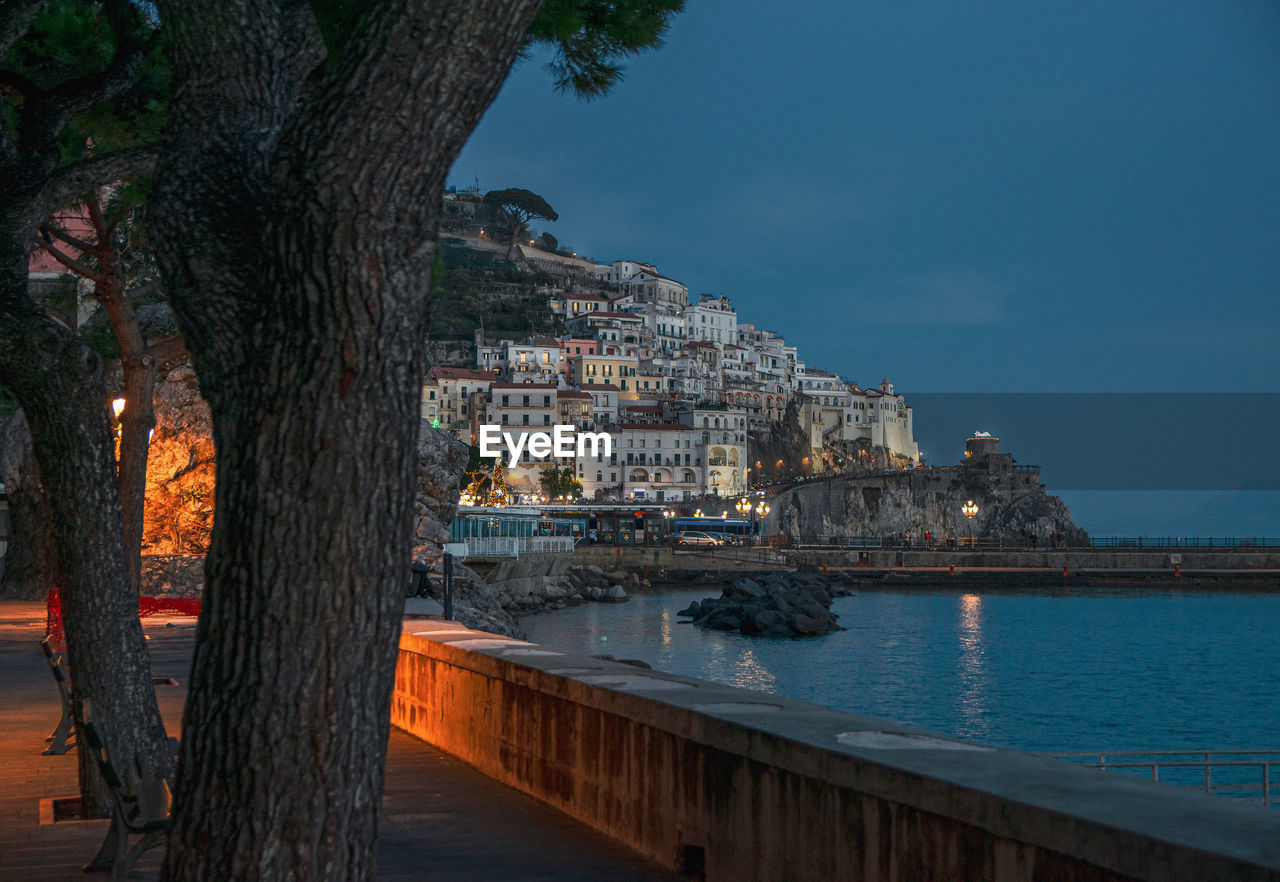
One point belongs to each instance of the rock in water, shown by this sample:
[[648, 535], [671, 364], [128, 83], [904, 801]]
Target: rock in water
[[778, 605]]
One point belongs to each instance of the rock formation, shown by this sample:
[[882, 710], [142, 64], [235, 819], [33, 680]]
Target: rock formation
[[776, 605], [178, 518], [441, 464], [1012, 504], [546, 582]]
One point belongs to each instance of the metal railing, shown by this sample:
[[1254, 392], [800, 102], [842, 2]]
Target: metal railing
[[761, 554], [1246, 774], [508, 546], [1042, 543], [1204, 543]]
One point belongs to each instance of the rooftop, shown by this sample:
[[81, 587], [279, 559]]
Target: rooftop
[[450, 373]]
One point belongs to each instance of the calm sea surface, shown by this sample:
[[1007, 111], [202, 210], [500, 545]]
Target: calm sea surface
[[1038, 671]]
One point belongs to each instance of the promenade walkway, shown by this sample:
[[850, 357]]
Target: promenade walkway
[[442, 819]]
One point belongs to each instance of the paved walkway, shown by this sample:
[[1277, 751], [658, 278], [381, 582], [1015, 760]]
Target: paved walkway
[[442, 819]]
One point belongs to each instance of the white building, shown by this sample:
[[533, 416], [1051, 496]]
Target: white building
[[643, 282], [657, 461], [720, 437], [523, 404], [569, 305], [711, 319], [604, 402], [536, 358], [455, 397]]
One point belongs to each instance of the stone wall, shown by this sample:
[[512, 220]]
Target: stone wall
[[732, 784], [172, 575]]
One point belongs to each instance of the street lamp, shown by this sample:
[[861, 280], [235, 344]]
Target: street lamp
[[667, 515], [762, 511], [969, 509]]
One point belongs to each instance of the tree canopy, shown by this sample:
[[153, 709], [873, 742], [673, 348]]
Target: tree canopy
[[516, 207]]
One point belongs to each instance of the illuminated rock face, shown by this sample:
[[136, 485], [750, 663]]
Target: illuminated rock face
[[1012, 505], [180, 469]]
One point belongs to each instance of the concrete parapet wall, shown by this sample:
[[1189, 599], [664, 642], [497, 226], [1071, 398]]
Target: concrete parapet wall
[[733, 558], [753, 786], [650, 559]]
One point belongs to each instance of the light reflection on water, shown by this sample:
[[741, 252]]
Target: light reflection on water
[[1036, 670], [971, 675]]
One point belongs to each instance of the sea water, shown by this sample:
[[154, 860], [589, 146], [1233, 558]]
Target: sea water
[[1089, 669]]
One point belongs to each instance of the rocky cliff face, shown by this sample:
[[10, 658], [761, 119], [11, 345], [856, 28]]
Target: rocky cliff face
[[1009, 506], [180, 468], [441, 464]]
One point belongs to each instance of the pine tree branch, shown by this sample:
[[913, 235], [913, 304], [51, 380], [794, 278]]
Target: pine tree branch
[[53, 231], [15, 20], [46, 115], [80, 269], [74, 181]]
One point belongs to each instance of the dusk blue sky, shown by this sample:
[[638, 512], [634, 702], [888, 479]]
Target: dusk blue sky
[[976, 197]]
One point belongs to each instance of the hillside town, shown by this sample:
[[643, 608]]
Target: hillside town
[[687, 389]]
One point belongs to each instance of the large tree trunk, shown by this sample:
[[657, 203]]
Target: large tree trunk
[[137, 363], [311, 192], [30, 560], [58, 381]]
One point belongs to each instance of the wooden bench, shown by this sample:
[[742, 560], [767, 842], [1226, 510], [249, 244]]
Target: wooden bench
[[62, 738], [136, 811]]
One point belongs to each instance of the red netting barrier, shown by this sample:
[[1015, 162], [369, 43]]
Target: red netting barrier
[[147, 606]]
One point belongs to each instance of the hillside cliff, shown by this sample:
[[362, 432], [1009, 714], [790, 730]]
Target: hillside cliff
[[1011, 506]]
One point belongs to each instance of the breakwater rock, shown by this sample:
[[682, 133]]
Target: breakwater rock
[[533, 585], [775, 605]]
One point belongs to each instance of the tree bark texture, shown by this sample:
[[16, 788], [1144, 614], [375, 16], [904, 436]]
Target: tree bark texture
[[137, 362], [294, 218], [31, 558], [57, 380]]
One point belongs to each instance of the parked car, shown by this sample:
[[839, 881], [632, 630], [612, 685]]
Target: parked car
[[697, 537]]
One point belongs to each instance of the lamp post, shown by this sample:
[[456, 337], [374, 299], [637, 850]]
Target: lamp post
[[969, 509], [744, 508], [667, 515], [762, 511]]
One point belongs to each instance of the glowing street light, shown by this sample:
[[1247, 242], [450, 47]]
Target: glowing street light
[[667, 515], [969, 509]]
